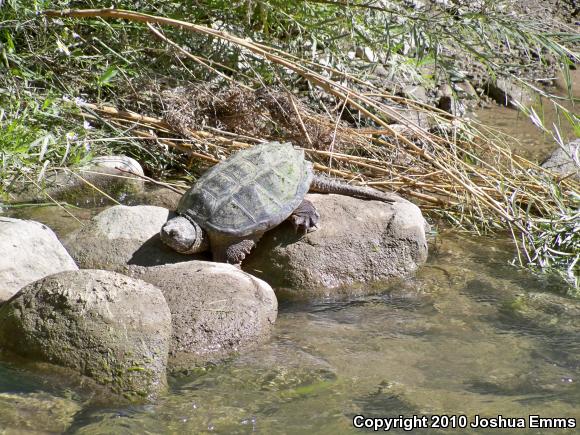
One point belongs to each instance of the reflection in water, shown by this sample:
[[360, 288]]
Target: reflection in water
[[469, 335]]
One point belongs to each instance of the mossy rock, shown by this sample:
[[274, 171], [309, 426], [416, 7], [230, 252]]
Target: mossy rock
[[103, 325]]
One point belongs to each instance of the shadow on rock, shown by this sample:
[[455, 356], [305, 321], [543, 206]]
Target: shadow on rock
[[155, 253]]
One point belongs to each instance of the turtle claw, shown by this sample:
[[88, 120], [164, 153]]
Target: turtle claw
[[305, 218], [236, 253]]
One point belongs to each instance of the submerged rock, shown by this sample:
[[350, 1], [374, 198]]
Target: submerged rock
[[36, 413], [358, 241], [216, 309], [103, 325], [565, 161], [122, 235], [30, 251]]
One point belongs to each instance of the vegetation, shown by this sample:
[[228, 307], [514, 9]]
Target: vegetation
[[332, 71]]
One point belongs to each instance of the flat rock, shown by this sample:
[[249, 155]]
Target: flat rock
[[358, 242], [122, 235], [565, 161], [216, 309], [109, 327], [30, 251]]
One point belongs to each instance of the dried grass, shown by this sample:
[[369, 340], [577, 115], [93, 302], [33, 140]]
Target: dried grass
[[450, 168]]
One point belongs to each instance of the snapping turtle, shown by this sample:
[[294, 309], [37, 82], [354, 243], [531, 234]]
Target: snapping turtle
[[239, 199]]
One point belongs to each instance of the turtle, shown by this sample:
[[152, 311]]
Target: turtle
[[234, 203]]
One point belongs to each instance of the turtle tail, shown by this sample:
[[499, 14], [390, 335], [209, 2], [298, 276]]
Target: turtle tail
[[323, 184]]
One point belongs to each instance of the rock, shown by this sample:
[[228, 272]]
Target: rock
[[123, 235], [367, 54], [101, 172], [30, 251], [358, 242], [379, 71], [116, 165], [109, 327], [216, 309], [466, 90], [36, 413], [417, 117], [508, 93], [449, 102], [565, 161], [159, 197], [417, 93]]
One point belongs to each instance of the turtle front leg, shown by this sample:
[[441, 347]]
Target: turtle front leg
[[232, 250], [236, 253], [305, 218]]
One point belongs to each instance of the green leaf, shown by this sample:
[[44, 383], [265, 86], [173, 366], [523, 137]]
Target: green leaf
[[9, 42], [108, 75]]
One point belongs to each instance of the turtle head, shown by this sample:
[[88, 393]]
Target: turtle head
[[184, 236]]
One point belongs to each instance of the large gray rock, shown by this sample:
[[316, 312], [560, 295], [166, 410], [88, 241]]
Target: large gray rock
[[216, 309], [449, 102], [358, 242], [30, 251], [565, 161], [122, 235], [103, 325]]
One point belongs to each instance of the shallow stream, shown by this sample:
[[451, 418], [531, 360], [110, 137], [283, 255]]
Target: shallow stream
[[468, 335]]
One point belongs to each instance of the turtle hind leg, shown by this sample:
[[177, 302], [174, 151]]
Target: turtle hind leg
[[305, 218]]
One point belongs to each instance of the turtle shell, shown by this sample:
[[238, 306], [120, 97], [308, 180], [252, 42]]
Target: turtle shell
[[253, 190]]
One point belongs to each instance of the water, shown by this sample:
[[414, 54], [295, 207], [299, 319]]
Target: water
[[469, 334], [531, 142]]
